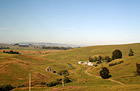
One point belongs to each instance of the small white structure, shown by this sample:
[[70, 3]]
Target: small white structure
[[49, 69], [80, 62], [90, 64]]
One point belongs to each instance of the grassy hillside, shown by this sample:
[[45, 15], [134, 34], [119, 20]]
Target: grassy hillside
[[15, 68]]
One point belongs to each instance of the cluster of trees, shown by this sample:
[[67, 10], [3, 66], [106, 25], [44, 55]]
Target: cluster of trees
[[58, 81], [4, 48], [116, 54], [64, 79], [97, 59], [56, 47], [11, 52], [6, 87]]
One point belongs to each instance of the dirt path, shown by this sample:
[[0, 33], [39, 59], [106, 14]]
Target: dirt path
[[86, 71]]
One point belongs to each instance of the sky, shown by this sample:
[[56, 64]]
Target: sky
[[78, 22]]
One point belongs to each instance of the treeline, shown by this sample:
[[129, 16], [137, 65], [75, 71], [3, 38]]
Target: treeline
[[11, 52], [4, 48], [56, 47]]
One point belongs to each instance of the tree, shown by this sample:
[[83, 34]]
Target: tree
[[108, 59], [64, 72], [131, 53], [116, 54], [104, 73], [6, 87], [138, 68], [92, 59], [11, 52], [3, 51]]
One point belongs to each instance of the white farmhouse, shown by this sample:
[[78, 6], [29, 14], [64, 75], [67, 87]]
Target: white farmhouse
[[80, 62], [90, 64]]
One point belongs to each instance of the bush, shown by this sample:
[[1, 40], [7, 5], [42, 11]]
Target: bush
[[108, 59], [21, 86], [116, 54], [131, 53], [104, 73], [64, 72], [43, 83], [11, 52], [138, 68], [6, 87], [112, 64], [53, 83], [66, 80], [95, 58], [58, 81]]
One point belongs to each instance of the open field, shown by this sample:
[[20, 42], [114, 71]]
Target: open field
[[15, 69]]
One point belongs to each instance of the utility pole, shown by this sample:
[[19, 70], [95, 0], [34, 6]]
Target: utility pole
[[29, 81], [78, 79], [62, 81]]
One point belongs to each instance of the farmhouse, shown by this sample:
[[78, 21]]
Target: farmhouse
[[80, 62], [49, 69], [90, 64]]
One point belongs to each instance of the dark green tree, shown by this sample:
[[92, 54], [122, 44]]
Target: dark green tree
[[3, 51], [104, 73], [6, 87], [138, 68], [90, 59], [108, 59], [100, 57], [116, 54], [64, 72], [131, 53], [11, 52]]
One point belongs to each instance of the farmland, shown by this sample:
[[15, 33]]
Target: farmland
[[15, 68]]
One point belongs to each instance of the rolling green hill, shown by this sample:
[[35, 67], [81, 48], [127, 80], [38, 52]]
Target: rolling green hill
[[15, 68]]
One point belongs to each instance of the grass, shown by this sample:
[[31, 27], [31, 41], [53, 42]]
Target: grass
[[21, 65]]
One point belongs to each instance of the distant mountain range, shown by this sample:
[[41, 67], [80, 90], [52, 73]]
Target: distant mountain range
[[47, 44]]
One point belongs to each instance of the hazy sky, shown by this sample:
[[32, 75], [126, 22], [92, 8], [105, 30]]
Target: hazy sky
[[82, 22]]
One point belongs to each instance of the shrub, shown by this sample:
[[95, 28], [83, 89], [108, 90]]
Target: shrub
[[11, 52], [43, 83], [138, 68], [108, 59], [53, 83], [58, 81], [95, 58], [116, 54], [66, 80], [104, 73], [21, 86], [116, 63], [100, 57], [6, 87], [131, 53], [64, 72], [92, 59]]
